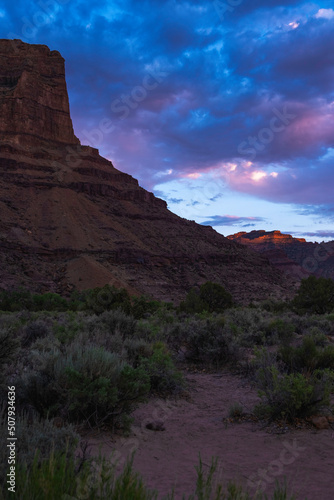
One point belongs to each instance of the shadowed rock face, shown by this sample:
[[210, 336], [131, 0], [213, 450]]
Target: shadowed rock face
[[69, 219], [33, 95]]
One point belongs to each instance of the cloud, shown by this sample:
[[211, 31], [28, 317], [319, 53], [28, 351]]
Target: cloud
[[175, 200], [325, 14], [230, 220], [321, 234], [224, 85]]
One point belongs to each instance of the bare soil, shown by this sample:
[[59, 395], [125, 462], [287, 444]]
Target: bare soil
[[253, 455]]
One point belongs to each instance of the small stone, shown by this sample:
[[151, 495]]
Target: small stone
[[156, 425], [320, 422]]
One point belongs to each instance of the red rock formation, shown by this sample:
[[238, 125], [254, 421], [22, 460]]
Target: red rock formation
[[70, 219], [294, 256], [33, 95]]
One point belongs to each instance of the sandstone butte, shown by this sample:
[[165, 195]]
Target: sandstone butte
[[294, 256], [71, 220]]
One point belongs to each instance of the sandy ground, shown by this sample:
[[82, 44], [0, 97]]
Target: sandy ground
[[252, 455]]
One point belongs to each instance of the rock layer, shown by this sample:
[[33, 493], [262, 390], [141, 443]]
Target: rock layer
[[295, 256], [69, 219]]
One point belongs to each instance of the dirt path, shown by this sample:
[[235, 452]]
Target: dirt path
[[245, 452]]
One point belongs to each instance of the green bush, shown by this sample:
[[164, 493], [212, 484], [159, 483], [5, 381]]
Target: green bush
[[143, 306], [315, 295], [236, 410], [215, 297], [67, 328], [85, 384], [119, 321], [160, 367], [34, 434], [61, 477], [49, 302], [137, 349], [273, 306], [107, 298], [15, 300], [18, 300], [211, 297], [35, 330], [205, 341], [308, 356], [8, 346], [248, 326], [292, 395], [279, 330]]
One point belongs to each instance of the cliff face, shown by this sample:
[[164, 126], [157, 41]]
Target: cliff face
[[266, 240], [33, 95], [295, 256], [69, 219]]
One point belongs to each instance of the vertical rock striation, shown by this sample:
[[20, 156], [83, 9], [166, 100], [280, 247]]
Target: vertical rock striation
[[33, 96]]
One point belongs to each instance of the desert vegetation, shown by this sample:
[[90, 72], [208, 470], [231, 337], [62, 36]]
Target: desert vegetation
[[89, 360]]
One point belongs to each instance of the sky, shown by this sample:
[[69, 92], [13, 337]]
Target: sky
[[224, 108]]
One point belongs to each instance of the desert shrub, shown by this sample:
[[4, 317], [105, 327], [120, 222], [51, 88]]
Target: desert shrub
[[215, 297], [279, 331], [315, 295], [61, 477], [21, 299], [304, 323], [86, 383], [204, 341], [210, 297], [49, 302], [159, 327], [14, 321], [164, 377], [33, 331], [143, 306], [107, 298], [35, 434], [8, 346], [15, 300], [118, 321], [108, 323], [137, 349], [292, 395], [235, 410], [247, 325], [273, 306], [318, 336], [67, 326], [308, 356], [207, 487], [326, 358], [192, 303], [114, 336]]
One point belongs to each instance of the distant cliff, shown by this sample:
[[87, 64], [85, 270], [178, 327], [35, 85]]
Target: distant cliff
[[294, 256]]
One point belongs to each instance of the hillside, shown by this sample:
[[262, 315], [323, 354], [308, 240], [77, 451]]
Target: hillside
[[70, 219], [294, 256]]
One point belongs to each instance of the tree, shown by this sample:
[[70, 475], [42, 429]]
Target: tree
[[108, 298], [315, 295], [211, 297]]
